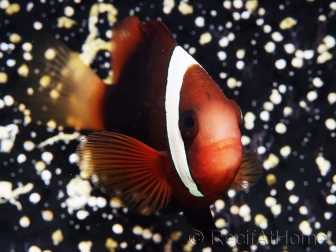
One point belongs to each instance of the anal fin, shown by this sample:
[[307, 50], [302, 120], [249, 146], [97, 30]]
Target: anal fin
[[202, 221]]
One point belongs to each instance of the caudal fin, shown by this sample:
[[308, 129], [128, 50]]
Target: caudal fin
[[59, 88]]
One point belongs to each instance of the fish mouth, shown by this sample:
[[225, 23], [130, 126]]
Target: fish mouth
[[229, 148], [218, 165]]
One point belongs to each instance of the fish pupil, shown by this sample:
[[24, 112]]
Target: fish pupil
[[189, 122]]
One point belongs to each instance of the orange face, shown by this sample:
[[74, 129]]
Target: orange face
[[209, 124]]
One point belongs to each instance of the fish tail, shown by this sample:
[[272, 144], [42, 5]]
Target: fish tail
[[57, 88]]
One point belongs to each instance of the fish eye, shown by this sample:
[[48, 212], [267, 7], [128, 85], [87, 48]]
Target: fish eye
[[188, 124]]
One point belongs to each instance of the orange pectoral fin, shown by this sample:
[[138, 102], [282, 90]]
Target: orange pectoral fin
[[249, 172], [126, 168]]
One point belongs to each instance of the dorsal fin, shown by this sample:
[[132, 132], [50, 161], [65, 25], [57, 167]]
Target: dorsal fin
[[125, 37], [60, 88], [140, 74], [128, 35]]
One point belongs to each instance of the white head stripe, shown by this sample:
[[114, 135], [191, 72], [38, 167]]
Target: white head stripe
[[179, 63]]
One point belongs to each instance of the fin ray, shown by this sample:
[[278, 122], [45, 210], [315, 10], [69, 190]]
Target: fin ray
[[249, 172], [133, 171]]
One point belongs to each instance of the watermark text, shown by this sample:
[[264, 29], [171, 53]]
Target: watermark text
[[258, 237]]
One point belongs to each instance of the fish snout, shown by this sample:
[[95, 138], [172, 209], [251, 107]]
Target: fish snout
[[218, 166]]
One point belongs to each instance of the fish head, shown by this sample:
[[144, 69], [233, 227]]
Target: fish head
[[209, 124]]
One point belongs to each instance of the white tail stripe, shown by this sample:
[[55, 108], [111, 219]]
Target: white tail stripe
[[179, 63]]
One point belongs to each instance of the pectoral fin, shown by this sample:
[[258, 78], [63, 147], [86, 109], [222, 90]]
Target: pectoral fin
[[127, 168]]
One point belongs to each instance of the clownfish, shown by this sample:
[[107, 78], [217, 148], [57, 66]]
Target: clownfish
[[166, 138]]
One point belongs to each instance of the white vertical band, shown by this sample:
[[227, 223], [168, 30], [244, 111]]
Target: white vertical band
[[179, 63]]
